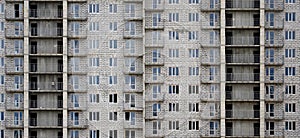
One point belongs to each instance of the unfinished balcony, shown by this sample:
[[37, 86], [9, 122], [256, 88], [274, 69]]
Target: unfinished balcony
[[242, 59], [45, 14], [242, 41], [274, 5], [241, 96], [242, 129], [44, 30], [274, 60], [242, 5], [45, 122], [46, 68], [45, 133], [154, 6], [44, 102], [210, 6], [242, 114], [154, 22], [243, 20], [242, 77], [46, 86], [45, 48]]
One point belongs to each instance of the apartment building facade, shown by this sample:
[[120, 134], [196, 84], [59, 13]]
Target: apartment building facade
[[149, 68]]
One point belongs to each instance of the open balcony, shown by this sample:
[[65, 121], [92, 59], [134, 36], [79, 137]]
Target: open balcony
[[46, 32], [46, 86], [247, 129], [45, 122], [242, 4], [46, 105], [242, 114], [46, 50], [150, 115], [242, 96], [242, 40], [45, 14], [242, 20], [242, 58], [277, 41], [210, 78], [240, 77], [46, 68]]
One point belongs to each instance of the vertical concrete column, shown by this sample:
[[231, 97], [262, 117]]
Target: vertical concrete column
[[262, 69], [144, 75], [222, 69], [65, 69], [26, 68]]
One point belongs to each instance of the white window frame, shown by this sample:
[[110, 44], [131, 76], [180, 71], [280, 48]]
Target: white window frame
[[94, 80], [112, 80], [94, 8], [173, 17], [156, 90], [113, 116], [174, 125], [113, 8]]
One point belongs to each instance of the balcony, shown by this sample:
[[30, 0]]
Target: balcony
[[133, 16], [127, 34], [80, 123], [210, 115], [45, 123], [155, 133], [207, 96], [274, 60], [242, 58], [277, 24], [242, 96], [46, 68], [210, 78], [12, 123], [276, 5], [242, 41], [136, 70], [207, 24], [241, 77], [14, 69], [46, 33], [151, 61], [81, 15], [136, 105], [154, 115], [151, 78], [14, 87], [13, 52], [274, 115], [155, 98], [45, 14], [208, 6], [151, 6], [81, 87], [76, 34], [277, 97], [134, 124], [243, 131], [243, 22], [136, 1], [242, 4], [153, 42], [275, 78], [133, 52], [12, 33], [46, 105], [46, 86], [242, 114], [11, 14], [153, 23], [14, 105], [78, 104], [81, 52], [42, 50]]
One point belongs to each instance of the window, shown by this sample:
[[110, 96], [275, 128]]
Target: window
[[2, 80], [156, 126], [94, 116], [130, 10], [193, 125], [213, 18], [155, 55], [2, 97], [290, 107], [18, 46], [270, 19], [1, 133], [1, 62], [2, 11], [94, 8], [290, 125], [213, 127], [212, 38], [270, 109], [270, 128], [113, 8], [173, 35], [193, 35], [173, 71], [156, 90], [193, 17], [131, 81], [2, 116], [173, 107], [113, 44], [113, 26], [113, 133], [193, 107], [270, 55], [130, 28], [94, 98], [113, 116], [173, 1], [173, 17], [290, 16], [112, 80], [94, 44], [18, 28], [290, 71], [173, 125], [290, 89], [113, 98], [270, 73], [194, 1], [94, 80], [94, 62], [270, 91], [94, 26], [156, 19], [173, 89], [290, 53], [290, 35], [290, 1], [174, 53], [193, 71], [131, 117], [130, 100], [18, 118], [75, 8], [130, 46], [75, 82], [19, 134], [2, 44], [155, 73], [193, 53], [74, 133], [193, 89], [94, 134], [129, 134], [18, 82], [156, 37], [155, 109], [130, 64], [113, 62], [18, 64]]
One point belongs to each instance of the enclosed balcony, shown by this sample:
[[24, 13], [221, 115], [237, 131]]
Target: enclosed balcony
[[77, 102], [135, 122], [134, 67], [77, 65], [154, 5], [154, 78], [46, 47], [132, 30], [274, 5], [154, 22], [46, 102], [77, 83], [274, 24], [46, 30], [274, 60], [77, 30], [242, 4], [133, 12], [274, 39], [154, 39], [210, 5], [242, 20], [11, 122], [242, 129], [77, 12], [45, 120]]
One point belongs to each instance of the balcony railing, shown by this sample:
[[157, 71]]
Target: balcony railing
[[275, 5], [46, 86], [242, 96], [242, 131], [242, 4], [80, 123], [136, 105], [132, 34], [45, 50], [45, 13], [12, 14], [154, 61], [45, 122], [136, 15], [210, 96], [242, 40], [276, 78], [12, 105], [82, 15], [154, 23], [137, 123], [72, 87], [81, 104], [151, 6], [12, 33], [40, 32], [278, 60], [47, 67], [275, 114], [242, 114], [208, 6], [276, 42], [150, 78], [243, 22], [158, 97], [242, 76], [16, 69], [46, 104], [278, 96], [279, 24], [12, 123], [242, 58], [210, 78], [11, 86], [150, 42], [81, 33]]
